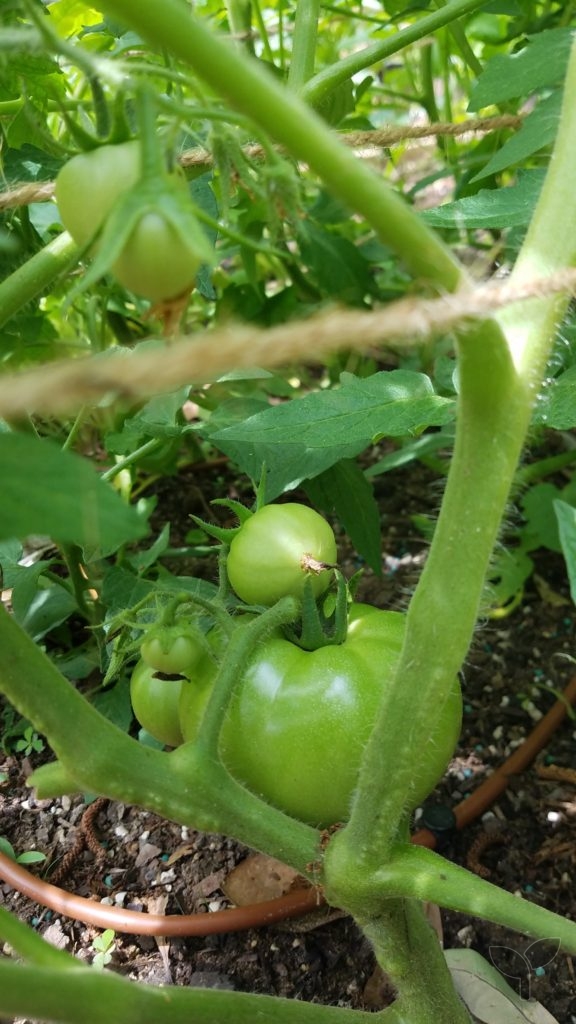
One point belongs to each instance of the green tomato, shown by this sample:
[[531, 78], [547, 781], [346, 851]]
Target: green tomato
[[155, 702], [155, 261], [276, 550], [170, 650], [299, 721], [90, 183]]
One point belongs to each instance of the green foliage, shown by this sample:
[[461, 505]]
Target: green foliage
[[103, 946], [503, 208], [299, 440], [288, 223], [566, 523], [538, 130], [82, 510], [28, 857], [542, 62]]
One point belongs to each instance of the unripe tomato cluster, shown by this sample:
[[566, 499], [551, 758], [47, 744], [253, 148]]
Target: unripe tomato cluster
[[155, 261], [299, 720]]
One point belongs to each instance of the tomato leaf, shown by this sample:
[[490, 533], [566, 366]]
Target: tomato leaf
[[336, 263], [344, 489], [487, 995], [49, 491], [121, 589], [507, 76], [538, 130], [556, 407], [566, 518], [299, 440], [114, 704], [491, 208]]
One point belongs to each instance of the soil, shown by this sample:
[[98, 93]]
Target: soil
[[525, 843]]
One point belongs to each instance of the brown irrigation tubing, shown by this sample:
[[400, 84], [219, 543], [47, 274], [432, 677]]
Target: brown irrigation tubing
[[293, 904], [486, 794]]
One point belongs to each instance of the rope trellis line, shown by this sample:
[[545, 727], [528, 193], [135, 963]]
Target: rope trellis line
[[41, 192], [64, 386]]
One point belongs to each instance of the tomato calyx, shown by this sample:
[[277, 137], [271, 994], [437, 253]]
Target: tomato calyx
[[225, 534], [316, 628]]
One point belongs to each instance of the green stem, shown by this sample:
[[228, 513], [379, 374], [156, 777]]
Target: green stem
[[72, 555], [100, 107], [428, 97], [75, 429], [8, 107], [89, 996], [417, 873], [281, 45], [240, 647], [493, 415], [498, 385], [183, 785], [325, 81], [348, 14], [36, 275], [152, 154], [263, 32], [304, 43], [458, 34], [239, 14], [135, 456], [408, 950], [213, 607], [534, 471], [252, 90]]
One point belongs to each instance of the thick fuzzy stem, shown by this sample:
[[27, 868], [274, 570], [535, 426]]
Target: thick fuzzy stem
[[36, 274]]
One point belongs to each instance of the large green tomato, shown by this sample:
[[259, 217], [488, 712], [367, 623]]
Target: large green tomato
[[276, 550], [155, 703], [299, 721]]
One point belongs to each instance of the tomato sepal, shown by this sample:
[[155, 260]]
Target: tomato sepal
[[316, 629], [243, 513], [225, 534]]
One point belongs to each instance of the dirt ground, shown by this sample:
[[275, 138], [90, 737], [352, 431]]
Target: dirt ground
[[525, 843]]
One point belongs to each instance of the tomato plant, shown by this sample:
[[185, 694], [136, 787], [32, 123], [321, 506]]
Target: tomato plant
[[299, 720], [277, 549], [301, 224], [155, 704]]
